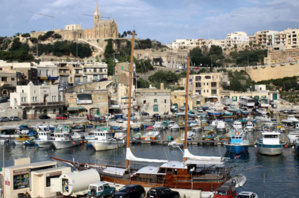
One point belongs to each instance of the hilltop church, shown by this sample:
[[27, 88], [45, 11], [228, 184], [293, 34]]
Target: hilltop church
[[102, 29]]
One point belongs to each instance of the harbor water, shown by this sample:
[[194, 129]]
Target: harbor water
[[268, 176]]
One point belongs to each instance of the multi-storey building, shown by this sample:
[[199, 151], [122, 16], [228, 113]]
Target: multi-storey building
[[207, 85], [40, 98], [263, 38], [235, 39], [187, 43], [153, 100], [94, 71]]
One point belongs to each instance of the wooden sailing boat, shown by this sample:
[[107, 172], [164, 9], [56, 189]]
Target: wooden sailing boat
[[195, 172]]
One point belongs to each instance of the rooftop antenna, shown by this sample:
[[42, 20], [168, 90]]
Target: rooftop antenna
[[45, 16]]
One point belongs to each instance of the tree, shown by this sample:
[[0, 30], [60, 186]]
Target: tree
[[16, 45], [25, 35], [109, 51], [141, 83]]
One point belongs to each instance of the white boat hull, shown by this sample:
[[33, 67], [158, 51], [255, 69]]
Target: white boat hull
[[65, 144], [270, 149], [43, 143], [106, 145]]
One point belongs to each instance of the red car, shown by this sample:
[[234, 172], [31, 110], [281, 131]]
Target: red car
[[62, 117]]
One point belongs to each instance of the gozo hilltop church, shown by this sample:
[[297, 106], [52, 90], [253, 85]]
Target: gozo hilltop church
[[102, 29]]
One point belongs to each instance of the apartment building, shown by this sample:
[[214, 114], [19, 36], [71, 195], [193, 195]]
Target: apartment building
[[235, 39], [206, 85], [263, 38], [187, 43]]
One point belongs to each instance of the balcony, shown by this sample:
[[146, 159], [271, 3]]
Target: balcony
[[64, 73], [41, 104]]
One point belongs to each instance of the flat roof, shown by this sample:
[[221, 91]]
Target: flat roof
[[174, 164], [148, 170], [34, 165], [38, 172]]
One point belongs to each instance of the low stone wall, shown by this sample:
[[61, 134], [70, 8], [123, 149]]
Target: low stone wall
[[259, 73]]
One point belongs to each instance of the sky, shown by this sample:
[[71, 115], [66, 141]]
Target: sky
[[161, 20]]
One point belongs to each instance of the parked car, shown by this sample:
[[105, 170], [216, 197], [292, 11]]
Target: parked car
[[286, 111], [226, 190], [15, 118], [3, 100], [162, 192], [4, 119], [244, 194], [44, 117], [144, 113], [100, 189], [156, 115], [62, 117], [292, 111], [132, 190]]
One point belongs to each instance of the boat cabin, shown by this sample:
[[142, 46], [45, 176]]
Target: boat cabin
[[271, 138], [62, 136]]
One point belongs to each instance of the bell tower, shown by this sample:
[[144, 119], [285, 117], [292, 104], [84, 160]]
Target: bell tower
[[96, 16]]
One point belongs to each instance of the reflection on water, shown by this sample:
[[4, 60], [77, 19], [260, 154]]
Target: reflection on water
[[237, 157]]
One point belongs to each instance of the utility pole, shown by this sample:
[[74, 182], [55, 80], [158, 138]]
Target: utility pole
[[45, 16]]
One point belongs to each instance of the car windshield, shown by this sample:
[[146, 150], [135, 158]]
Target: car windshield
[[153, 191], [92, 187], [242, 196]]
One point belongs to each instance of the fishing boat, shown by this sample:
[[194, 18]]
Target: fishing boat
[[220, 125], [249, 126], [270, 143], [105, 140], [237, 125], [214, 113], [237, 144], [44, 139], [62, 140]]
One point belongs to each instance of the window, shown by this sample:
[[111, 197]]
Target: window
[[21, 181], [155, 100], [198, 78], [94, 70], [198, 91], [144, 102], [198, 102], [234, 98], [48, 180], [85, 70], [12, 79], [155, 108], [165, 101], [214, 91], [207, 77], [214, 84], [197, 84]]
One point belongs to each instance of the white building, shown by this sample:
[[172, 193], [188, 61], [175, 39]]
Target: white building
[[36, 100], [236, 38]]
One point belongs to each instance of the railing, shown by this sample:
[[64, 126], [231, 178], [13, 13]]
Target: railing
[[42, 104]]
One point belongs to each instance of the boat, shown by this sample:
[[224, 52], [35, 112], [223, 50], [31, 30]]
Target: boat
[[119, 120], [105, 139], [220, 125], [237, 125], [261, 111], [44, 139], [263, 118], [195, 172], [249, 127], [291, 120], [150, 135], [293, 135], [159, 125], [62, 140], [179, 142], [214, 113], [270, 143], [237, 144], [7, 135], [174, 128]]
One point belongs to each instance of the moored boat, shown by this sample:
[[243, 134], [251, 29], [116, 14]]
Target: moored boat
[[237, 143], [64, 140], [270, 143]]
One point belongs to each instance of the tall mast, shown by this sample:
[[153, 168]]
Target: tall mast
[[186, 105], [130, 90]]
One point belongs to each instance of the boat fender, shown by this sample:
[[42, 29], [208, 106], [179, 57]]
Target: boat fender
[[237, 133], [86, 166]]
